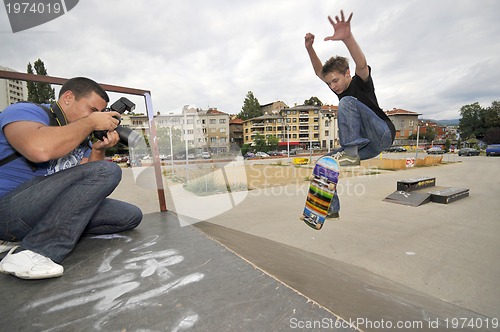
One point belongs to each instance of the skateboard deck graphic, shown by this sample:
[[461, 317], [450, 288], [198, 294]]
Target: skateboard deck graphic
[[324, 180]]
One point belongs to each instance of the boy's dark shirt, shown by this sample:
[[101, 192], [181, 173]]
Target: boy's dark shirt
[[365, 93]]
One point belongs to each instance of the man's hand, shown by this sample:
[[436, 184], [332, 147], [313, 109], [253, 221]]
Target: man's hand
[[108, 141], [341, 27], [309, 40], [105, 120], [99, 147]]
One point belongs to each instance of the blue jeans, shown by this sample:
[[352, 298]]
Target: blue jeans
[[49, 214], [360, 126]]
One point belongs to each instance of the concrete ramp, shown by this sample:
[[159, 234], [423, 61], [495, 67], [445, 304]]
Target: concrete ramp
[[159, 277], [408, 198]]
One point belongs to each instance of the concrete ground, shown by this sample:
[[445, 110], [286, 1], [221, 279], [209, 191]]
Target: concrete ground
[[446, 253]]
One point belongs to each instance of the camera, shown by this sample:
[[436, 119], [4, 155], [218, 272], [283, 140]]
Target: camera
[[128, 136]]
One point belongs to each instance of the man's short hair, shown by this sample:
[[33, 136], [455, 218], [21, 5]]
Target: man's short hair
[[82, 87], [339, 64]]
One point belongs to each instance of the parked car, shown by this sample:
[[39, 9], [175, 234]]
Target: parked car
[[165, 157], [134, 163], [435, 150], [275, 153], [249, 155], [468, 152], [206, 155], [261, 154], [396, 149], [493, 150], [119, 159]]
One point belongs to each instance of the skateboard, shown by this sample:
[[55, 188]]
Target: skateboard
[[323, 180]]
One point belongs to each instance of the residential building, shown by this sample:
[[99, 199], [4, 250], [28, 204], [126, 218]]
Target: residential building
[[303, 125], [273, 108], [11, 91], [215, 128], [202, 130], [236, 131], [298, 126], [267, 125], [406, 122], [328, 134], [441, 132]]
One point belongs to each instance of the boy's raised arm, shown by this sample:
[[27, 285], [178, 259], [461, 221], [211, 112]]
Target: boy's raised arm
[[315, 61], [342, 32]]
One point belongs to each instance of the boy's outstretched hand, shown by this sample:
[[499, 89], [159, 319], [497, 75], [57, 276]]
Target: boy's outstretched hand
[[341, 27], [309, 40]]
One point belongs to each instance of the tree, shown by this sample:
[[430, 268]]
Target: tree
[[163, 135], [272, 143], [430, 134], [447, 145], [251, 107], [479, 122], [260, 143], [492, 135], [313, 101], [40, 93], [470, 121]]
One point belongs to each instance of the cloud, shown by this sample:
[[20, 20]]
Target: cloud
[[429, 57]]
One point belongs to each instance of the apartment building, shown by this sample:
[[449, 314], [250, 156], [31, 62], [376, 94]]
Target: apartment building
[[202, 130], [11, 91], [298, 126], [406, 122], [328, 134], [215, 127], [236, 131], [441, 132]]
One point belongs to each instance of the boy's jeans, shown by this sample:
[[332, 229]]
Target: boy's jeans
[[49, 214], [360, 126]]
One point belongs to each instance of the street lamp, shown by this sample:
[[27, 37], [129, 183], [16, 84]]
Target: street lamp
[[330, 117]]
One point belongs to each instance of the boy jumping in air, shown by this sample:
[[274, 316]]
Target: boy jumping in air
[[364, 129]]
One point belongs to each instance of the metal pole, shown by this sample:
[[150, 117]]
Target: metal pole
[[171, 151], [416, 150]]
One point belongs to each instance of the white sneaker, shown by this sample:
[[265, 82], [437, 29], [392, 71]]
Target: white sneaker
[[6, 246], [30, 265]]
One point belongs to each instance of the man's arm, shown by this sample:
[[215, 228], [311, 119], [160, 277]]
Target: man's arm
[[342, 31], [315, 61], [40, 143]]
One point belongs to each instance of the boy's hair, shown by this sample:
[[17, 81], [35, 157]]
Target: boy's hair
[[337, 63], [82, 87]]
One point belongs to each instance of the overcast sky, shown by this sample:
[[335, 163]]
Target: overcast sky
[[427, 56]]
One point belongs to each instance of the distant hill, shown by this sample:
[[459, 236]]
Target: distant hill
[[451, 122]]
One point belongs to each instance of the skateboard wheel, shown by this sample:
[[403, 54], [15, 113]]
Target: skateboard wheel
[[311, 177], [302, 217], [318, 226], [331, 186]]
